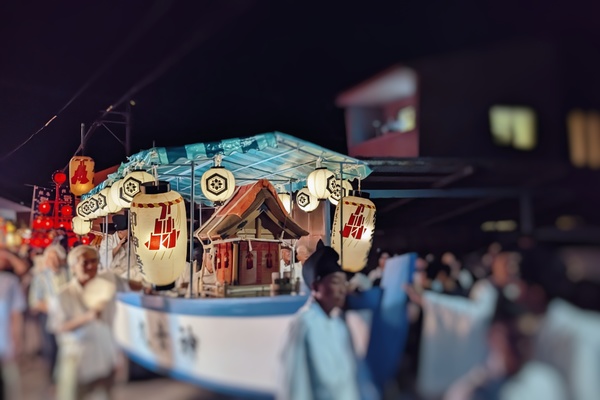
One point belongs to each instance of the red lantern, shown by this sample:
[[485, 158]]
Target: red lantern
[[47, 223], [64, 225], [44, 207], [46, 241], [85, 240], [36, 242], [66, 211], [59, 177], [38, 223]]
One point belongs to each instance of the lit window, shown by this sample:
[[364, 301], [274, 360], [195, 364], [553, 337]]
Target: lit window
[[513, 126], [584, 138]]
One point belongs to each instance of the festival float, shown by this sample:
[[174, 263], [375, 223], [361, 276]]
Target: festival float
[[228, 330]]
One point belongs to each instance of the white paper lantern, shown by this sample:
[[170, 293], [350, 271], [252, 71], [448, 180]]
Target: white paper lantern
[[218, 184], [338, 192], [286, 199], [306, 201], [85, 209], [114, 194], [111, 205], [132, 185], [352, 232], [81, 226], [103, 199], [321, 183], [159, 228]]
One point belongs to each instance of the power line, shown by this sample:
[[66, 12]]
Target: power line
[[207, 30], [153, 16]]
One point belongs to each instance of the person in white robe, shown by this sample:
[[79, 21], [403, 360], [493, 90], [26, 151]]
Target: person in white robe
[[81, 316], [114, 250], [319, 361]]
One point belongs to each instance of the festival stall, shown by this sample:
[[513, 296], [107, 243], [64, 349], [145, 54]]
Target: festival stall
[[262, 189]]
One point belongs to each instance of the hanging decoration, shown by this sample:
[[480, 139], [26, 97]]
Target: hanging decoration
[[59, 178], [218, 183], [114, 195], [352, 232], [306, 201], [159, 228], [84, 209], [81, 226], [81, 175], [132, 185], [321, 183], [286, 200], [339, 192]]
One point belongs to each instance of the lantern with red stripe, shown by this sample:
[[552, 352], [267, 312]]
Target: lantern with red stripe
[[352, 232], [81, 175], [159, 228]]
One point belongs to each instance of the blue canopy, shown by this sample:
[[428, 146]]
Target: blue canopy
[[284, 160]]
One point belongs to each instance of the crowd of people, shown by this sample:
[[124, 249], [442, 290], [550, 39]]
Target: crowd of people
[[482, 326]]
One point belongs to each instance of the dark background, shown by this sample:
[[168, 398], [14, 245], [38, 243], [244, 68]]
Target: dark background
[[217, 69]]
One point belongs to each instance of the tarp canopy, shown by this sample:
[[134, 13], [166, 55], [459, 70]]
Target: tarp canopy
[[284, 160], [257, 200]]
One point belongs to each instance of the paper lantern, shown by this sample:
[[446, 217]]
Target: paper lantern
[[218, 184], [84, 209], [81, 175], [286, 199], [102, 204], [81, 226], [339, 192], [132, 185], [94, 206], [66, 211], [321, 183], [159, 228], [114, 199], [306, 201], [59, 177], [352, 232], [45, 207], [47, 223]]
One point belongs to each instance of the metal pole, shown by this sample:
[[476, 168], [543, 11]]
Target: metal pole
[[192, 177], [106, 267], [82, 138], [341, 205], [128, 247]]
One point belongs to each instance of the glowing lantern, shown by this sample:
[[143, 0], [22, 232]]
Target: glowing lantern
[[113, 199], [59, 177], [81, 172], [321, 183], [218, 183], [104, 200], [102, 205], [47, 223], [45, 207], [85, 240], [352, 232], [286, 199], [94, 206], [159, 227], [132, 185], [306, 201], [66, 211], [84, 209], [339, 192], [81, 226], [38, 223]]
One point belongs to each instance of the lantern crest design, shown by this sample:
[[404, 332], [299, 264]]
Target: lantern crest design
[[84, 209], [306, 201], [321, 183], [159, 228], [132, 185], [218, 183], [81, 175], [353, 228], [340, 191]]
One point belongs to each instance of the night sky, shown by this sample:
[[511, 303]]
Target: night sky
[[206, 70]]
